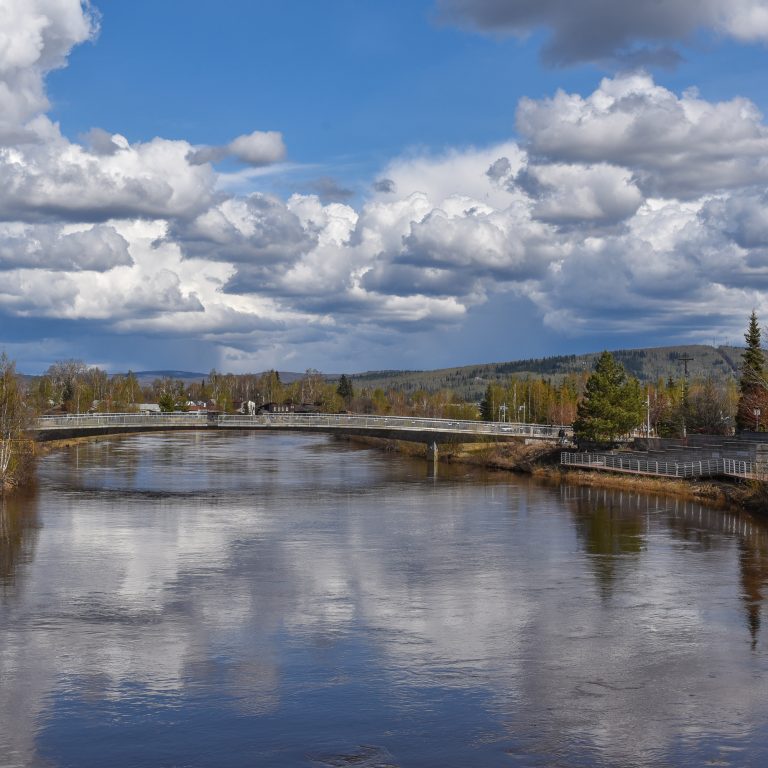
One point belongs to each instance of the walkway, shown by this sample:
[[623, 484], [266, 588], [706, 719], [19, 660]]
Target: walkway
[[414, 429], [720, 467]]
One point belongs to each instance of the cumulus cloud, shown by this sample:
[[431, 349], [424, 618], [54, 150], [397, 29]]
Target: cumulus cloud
[[259, 229], [257, 149], [57, 179], [602, 194], [677, 146], [99, 248], [101, 142], [592, 30], [35, 37]]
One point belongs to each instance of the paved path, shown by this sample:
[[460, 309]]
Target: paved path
[[720, 467]]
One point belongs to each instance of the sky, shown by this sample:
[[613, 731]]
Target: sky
[[352, 186]]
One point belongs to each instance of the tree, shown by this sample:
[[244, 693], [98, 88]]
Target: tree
[[752, 384], [345, 389], [489, 405], [486, 405], [15, 448], [708, 408], [612, 404]]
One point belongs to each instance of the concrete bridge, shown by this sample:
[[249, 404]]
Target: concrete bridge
[[432, 432]]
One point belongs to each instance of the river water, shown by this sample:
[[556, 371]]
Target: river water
[[249, 599]]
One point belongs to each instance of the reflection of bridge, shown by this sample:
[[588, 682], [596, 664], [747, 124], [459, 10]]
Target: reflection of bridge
[[414, 429]]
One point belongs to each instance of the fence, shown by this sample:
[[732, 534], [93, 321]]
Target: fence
[[698, 468]]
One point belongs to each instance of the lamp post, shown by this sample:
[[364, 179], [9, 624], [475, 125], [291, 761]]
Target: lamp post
[[756, 411], [521, 408], [648, 414], [503, 412]]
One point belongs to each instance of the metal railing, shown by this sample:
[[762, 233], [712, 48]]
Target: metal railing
[[399, 423], [101, 420], [319, 421], [683, 469]]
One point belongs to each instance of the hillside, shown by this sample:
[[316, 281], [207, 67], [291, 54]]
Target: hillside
[[650, 364]]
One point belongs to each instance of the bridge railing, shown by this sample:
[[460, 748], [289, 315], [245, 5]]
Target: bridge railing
[[303, 421], [399, 423], [96, 420], [683, 469]]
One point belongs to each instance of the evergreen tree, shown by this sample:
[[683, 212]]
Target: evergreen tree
[[345, 390], [612, 405], [753, 359], [487, 405], [752, 383]]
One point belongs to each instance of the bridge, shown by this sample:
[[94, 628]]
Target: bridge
[[432, 432]]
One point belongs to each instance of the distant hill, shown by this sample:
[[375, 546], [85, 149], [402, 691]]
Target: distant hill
[[649, 364]]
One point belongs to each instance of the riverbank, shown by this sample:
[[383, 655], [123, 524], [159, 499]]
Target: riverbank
[[18, 464], [542, 463]]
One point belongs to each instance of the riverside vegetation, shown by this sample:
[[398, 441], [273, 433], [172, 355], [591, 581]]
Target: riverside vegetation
[[16, 449]]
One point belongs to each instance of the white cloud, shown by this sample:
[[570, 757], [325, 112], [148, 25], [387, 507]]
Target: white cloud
[[598, 193], [35, 37], [257, 149], [676, 146], [49, 247], [57, 179]]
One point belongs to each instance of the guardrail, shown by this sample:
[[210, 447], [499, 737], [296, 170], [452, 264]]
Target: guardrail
[[700, 468], [319, 421]]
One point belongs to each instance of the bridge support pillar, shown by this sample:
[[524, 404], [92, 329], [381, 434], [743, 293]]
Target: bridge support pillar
[[432, 452]]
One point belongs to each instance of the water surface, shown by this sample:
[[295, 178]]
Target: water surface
[[244, 599]]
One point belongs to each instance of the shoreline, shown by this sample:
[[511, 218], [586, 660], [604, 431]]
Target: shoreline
[[541, 463]]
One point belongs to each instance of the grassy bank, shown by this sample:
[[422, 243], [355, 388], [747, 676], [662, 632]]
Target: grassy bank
[[542, 463]]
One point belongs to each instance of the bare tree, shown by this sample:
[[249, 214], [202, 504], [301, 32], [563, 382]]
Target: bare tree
[[15, 448]]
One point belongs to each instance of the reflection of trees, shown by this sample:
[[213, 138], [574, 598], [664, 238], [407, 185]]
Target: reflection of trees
[[610, 524], [711, 528], [753, 562], [18, 534]]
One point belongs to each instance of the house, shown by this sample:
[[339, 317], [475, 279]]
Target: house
[[276, 408]]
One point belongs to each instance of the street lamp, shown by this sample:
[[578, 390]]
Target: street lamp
[[521, 408], [756, 411], [503, 412]]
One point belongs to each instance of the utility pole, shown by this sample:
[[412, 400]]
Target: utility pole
[[684, 359]]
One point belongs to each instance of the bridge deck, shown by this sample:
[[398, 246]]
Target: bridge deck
[[395, 427]]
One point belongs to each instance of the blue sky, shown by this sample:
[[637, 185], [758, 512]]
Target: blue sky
[[354, 185]]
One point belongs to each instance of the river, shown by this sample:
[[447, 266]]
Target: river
[[244, 599]]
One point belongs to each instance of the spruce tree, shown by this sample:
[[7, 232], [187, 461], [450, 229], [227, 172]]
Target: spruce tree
[[345, 390], [752, 383], [612, 404], [487, 405], [753, 359]]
